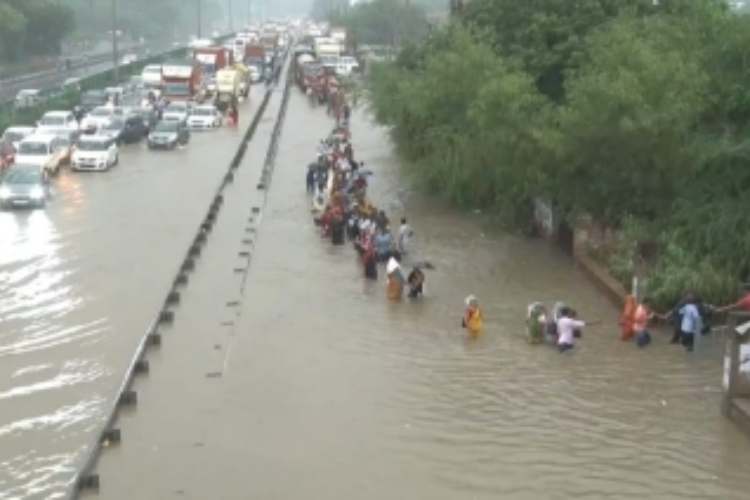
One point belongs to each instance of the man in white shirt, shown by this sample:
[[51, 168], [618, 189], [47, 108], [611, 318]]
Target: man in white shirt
[[405, 233], [567, 325]]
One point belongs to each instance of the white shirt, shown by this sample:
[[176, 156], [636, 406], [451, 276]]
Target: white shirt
[[565, 329], [404, 235]]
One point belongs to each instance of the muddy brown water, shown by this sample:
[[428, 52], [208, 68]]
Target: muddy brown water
[[345, 395], [79, 284]]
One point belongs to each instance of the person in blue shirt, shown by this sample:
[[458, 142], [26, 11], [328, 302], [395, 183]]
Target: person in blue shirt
[[691, 323]]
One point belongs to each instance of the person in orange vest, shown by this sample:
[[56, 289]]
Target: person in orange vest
[[627, 318]]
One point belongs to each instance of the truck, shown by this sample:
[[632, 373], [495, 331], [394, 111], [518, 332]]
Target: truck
[[326, 47], [183, 80], [339, 34], [212, 59], [270, 41], [255, 57], [228, 87]]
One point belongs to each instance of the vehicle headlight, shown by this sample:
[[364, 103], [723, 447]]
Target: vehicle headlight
[[5, 193], [36, 192]]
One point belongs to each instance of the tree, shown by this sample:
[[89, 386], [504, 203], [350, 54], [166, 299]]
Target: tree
[[628, 121], [12, 30]]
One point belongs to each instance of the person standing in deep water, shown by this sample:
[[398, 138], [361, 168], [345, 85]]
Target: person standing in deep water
[[473, 318], [567, 326], [691, 323]]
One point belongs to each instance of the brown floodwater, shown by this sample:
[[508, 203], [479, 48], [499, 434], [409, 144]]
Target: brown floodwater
[[324, 389]]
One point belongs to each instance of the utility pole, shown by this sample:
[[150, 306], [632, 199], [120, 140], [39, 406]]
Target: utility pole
[[200, 18], [115, 57], [229, 8]]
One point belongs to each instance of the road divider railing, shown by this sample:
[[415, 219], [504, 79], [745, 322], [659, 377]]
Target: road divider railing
[[109, 434]]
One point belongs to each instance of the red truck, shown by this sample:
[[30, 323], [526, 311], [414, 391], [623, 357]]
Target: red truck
[[212, 59], [255, 54], [183, 80]]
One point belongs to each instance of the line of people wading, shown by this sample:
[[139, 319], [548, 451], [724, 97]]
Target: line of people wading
[[344, 212], [338, 184]]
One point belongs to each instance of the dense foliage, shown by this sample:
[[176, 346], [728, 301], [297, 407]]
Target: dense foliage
[[382, 22], [633, 112], [31, 27]]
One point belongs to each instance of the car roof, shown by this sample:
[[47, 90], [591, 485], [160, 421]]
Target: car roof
[[95, 138], [57, 113], [205, 106], [40, 138], [20, 129]]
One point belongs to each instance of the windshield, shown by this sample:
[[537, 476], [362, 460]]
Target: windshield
[[203, 112], [13, 136], [32, 148], [93, 146], [166, 127], [101, 112], [148, 70], [177, 108], [23, 176], [52, 121], [93, 97]]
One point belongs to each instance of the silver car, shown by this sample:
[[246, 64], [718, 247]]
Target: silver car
[[24, 186]]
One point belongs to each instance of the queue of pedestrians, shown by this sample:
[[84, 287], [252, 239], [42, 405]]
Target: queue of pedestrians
[[338, 184]]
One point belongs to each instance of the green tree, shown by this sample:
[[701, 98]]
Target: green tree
[[12, 30]]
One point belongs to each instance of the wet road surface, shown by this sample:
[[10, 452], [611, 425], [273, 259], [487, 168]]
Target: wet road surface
[[296, 378], [79, 284]]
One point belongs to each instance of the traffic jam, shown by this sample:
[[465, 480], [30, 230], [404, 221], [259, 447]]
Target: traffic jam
[[158, 109]]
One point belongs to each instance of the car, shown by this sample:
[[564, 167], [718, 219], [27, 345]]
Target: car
[[128, 59], [95, 152], [129, 130], [176, 111], [113, 130], [255, 74], [14, 135], [115, 95], [56, 120], [28, 98], [151, 75], [204, 117], [46, 151], [148, 115], [168, 135], [69, 139], [100, 116], [24, 186], [93, 99], [71, 85], [211, 85]]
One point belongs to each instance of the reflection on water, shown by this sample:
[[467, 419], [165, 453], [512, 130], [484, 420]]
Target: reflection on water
[[79, 283]]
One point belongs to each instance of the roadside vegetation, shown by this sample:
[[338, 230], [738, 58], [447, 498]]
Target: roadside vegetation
[[629, 112]]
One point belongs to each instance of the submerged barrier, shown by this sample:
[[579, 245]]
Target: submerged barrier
[[86, 478]]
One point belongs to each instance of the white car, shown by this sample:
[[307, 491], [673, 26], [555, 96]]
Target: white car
[[57, 120], [128, 59], [204, 117], [14, 135], [95, 152], [151, 75], [99, 117], [176, 112], [346, 65], [44, 150]]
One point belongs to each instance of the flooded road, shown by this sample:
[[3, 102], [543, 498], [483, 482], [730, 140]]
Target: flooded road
[[79, 284], [320, 388]]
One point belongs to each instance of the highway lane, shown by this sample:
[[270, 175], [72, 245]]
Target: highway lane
[[79, 284]]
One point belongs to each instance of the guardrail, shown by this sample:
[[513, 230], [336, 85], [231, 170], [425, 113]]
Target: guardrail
[[108, 433]]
